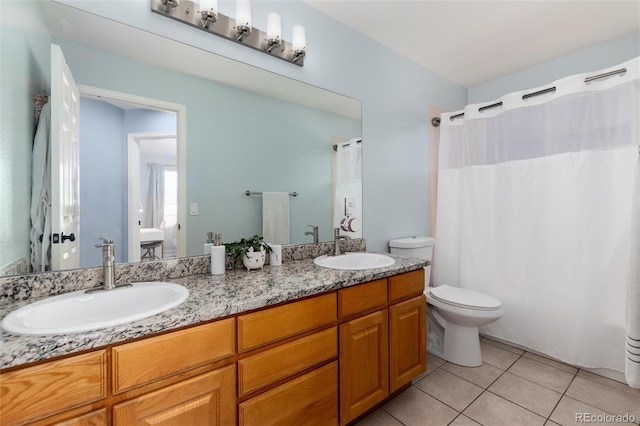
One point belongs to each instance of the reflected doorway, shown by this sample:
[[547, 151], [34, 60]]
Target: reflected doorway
[[121, 198], [153, 163]]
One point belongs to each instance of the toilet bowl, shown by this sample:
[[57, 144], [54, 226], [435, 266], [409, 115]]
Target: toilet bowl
[[460, 312], [454, 314]]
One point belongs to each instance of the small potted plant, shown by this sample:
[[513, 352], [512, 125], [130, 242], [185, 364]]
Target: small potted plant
[[252, 251]]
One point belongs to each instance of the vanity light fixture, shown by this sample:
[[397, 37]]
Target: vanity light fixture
[[208, 12], [204, 15], [274, 31], [168, 4], [243, 19], [299, 43]]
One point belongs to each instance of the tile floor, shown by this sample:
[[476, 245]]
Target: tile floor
[[511, 388]]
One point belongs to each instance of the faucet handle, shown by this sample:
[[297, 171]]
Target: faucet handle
[[313, 226], [105, 241]]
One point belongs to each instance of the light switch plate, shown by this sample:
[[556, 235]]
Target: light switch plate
[[349, 206], [194, 209]]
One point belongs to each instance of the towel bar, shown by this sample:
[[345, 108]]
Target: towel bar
[[247, 193]]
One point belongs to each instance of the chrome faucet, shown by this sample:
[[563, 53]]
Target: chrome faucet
[[314, 233], [336, 240], [108, 267]]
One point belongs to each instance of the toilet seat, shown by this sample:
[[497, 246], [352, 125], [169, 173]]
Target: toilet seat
[[464, 298]]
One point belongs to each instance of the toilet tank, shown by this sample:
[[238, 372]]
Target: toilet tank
[[420, 247]]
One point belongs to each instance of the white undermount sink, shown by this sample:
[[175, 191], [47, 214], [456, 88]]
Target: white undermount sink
[[80, 311], [354, 261]]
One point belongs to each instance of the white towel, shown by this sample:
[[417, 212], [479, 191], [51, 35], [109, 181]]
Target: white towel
[[632, 360], [275, 217]]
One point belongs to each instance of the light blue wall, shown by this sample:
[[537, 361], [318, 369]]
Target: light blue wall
[[395, 93], [103, 175], [145, 121], [24, 68], [594, 58]]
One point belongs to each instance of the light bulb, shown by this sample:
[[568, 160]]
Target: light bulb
[[299, 39], [209, 6], [243, 13], [274, 26]]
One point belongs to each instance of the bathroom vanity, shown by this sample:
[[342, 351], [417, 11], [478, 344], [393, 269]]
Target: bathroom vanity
[[295, 344]]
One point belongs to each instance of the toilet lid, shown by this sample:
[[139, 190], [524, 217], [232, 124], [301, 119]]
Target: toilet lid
[[464, 298]]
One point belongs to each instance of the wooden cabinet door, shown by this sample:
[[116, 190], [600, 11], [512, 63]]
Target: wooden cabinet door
[[407, 341], [208, 399], [364, 364]]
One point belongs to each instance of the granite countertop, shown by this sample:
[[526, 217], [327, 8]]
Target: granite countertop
[[210, 297]]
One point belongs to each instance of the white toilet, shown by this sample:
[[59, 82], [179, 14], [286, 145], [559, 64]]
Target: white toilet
[[455, 313]]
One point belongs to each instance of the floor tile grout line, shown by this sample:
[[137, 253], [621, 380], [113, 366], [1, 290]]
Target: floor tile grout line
[[584, 402], [546, 365], [521, 406], [563, 395], [394, 417], [539, 384], [488, 342], [440, 401], [485, 390]]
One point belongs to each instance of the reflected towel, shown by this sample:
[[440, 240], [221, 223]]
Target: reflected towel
[[275, 217]]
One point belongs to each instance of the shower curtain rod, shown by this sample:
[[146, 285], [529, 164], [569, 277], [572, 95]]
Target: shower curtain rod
[[436, 120], [344, 144]]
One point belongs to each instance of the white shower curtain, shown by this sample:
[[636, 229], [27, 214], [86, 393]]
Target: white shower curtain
[[535, 208], [348, 175], [155, 197]]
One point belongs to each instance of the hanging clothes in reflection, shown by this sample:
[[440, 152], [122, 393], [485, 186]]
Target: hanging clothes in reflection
[[41, 189]]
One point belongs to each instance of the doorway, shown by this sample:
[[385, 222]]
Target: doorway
[[164, 142]]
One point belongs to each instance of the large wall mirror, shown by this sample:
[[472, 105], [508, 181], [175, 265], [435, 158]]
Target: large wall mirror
[[216, 126]]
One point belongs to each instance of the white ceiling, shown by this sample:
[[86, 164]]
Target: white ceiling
[[475, 41]]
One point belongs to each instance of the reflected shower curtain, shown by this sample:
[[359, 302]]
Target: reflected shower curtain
[[154, 214], [348, 181], [535, 205]]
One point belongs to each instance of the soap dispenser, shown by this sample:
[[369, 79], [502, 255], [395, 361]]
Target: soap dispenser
[[218, 256]]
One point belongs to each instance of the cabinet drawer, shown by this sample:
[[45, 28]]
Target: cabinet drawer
[[362, 297], [51, 388], [273, 324], [406, 285], [138, 363], [311, 399], [208, 399], [265, 368]]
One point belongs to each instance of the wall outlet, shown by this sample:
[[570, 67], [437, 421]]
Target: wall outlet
[[194, 209]]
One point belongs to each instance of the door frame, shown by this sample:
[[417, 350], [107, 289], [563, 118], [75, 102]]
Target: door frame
[[181, 142]]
